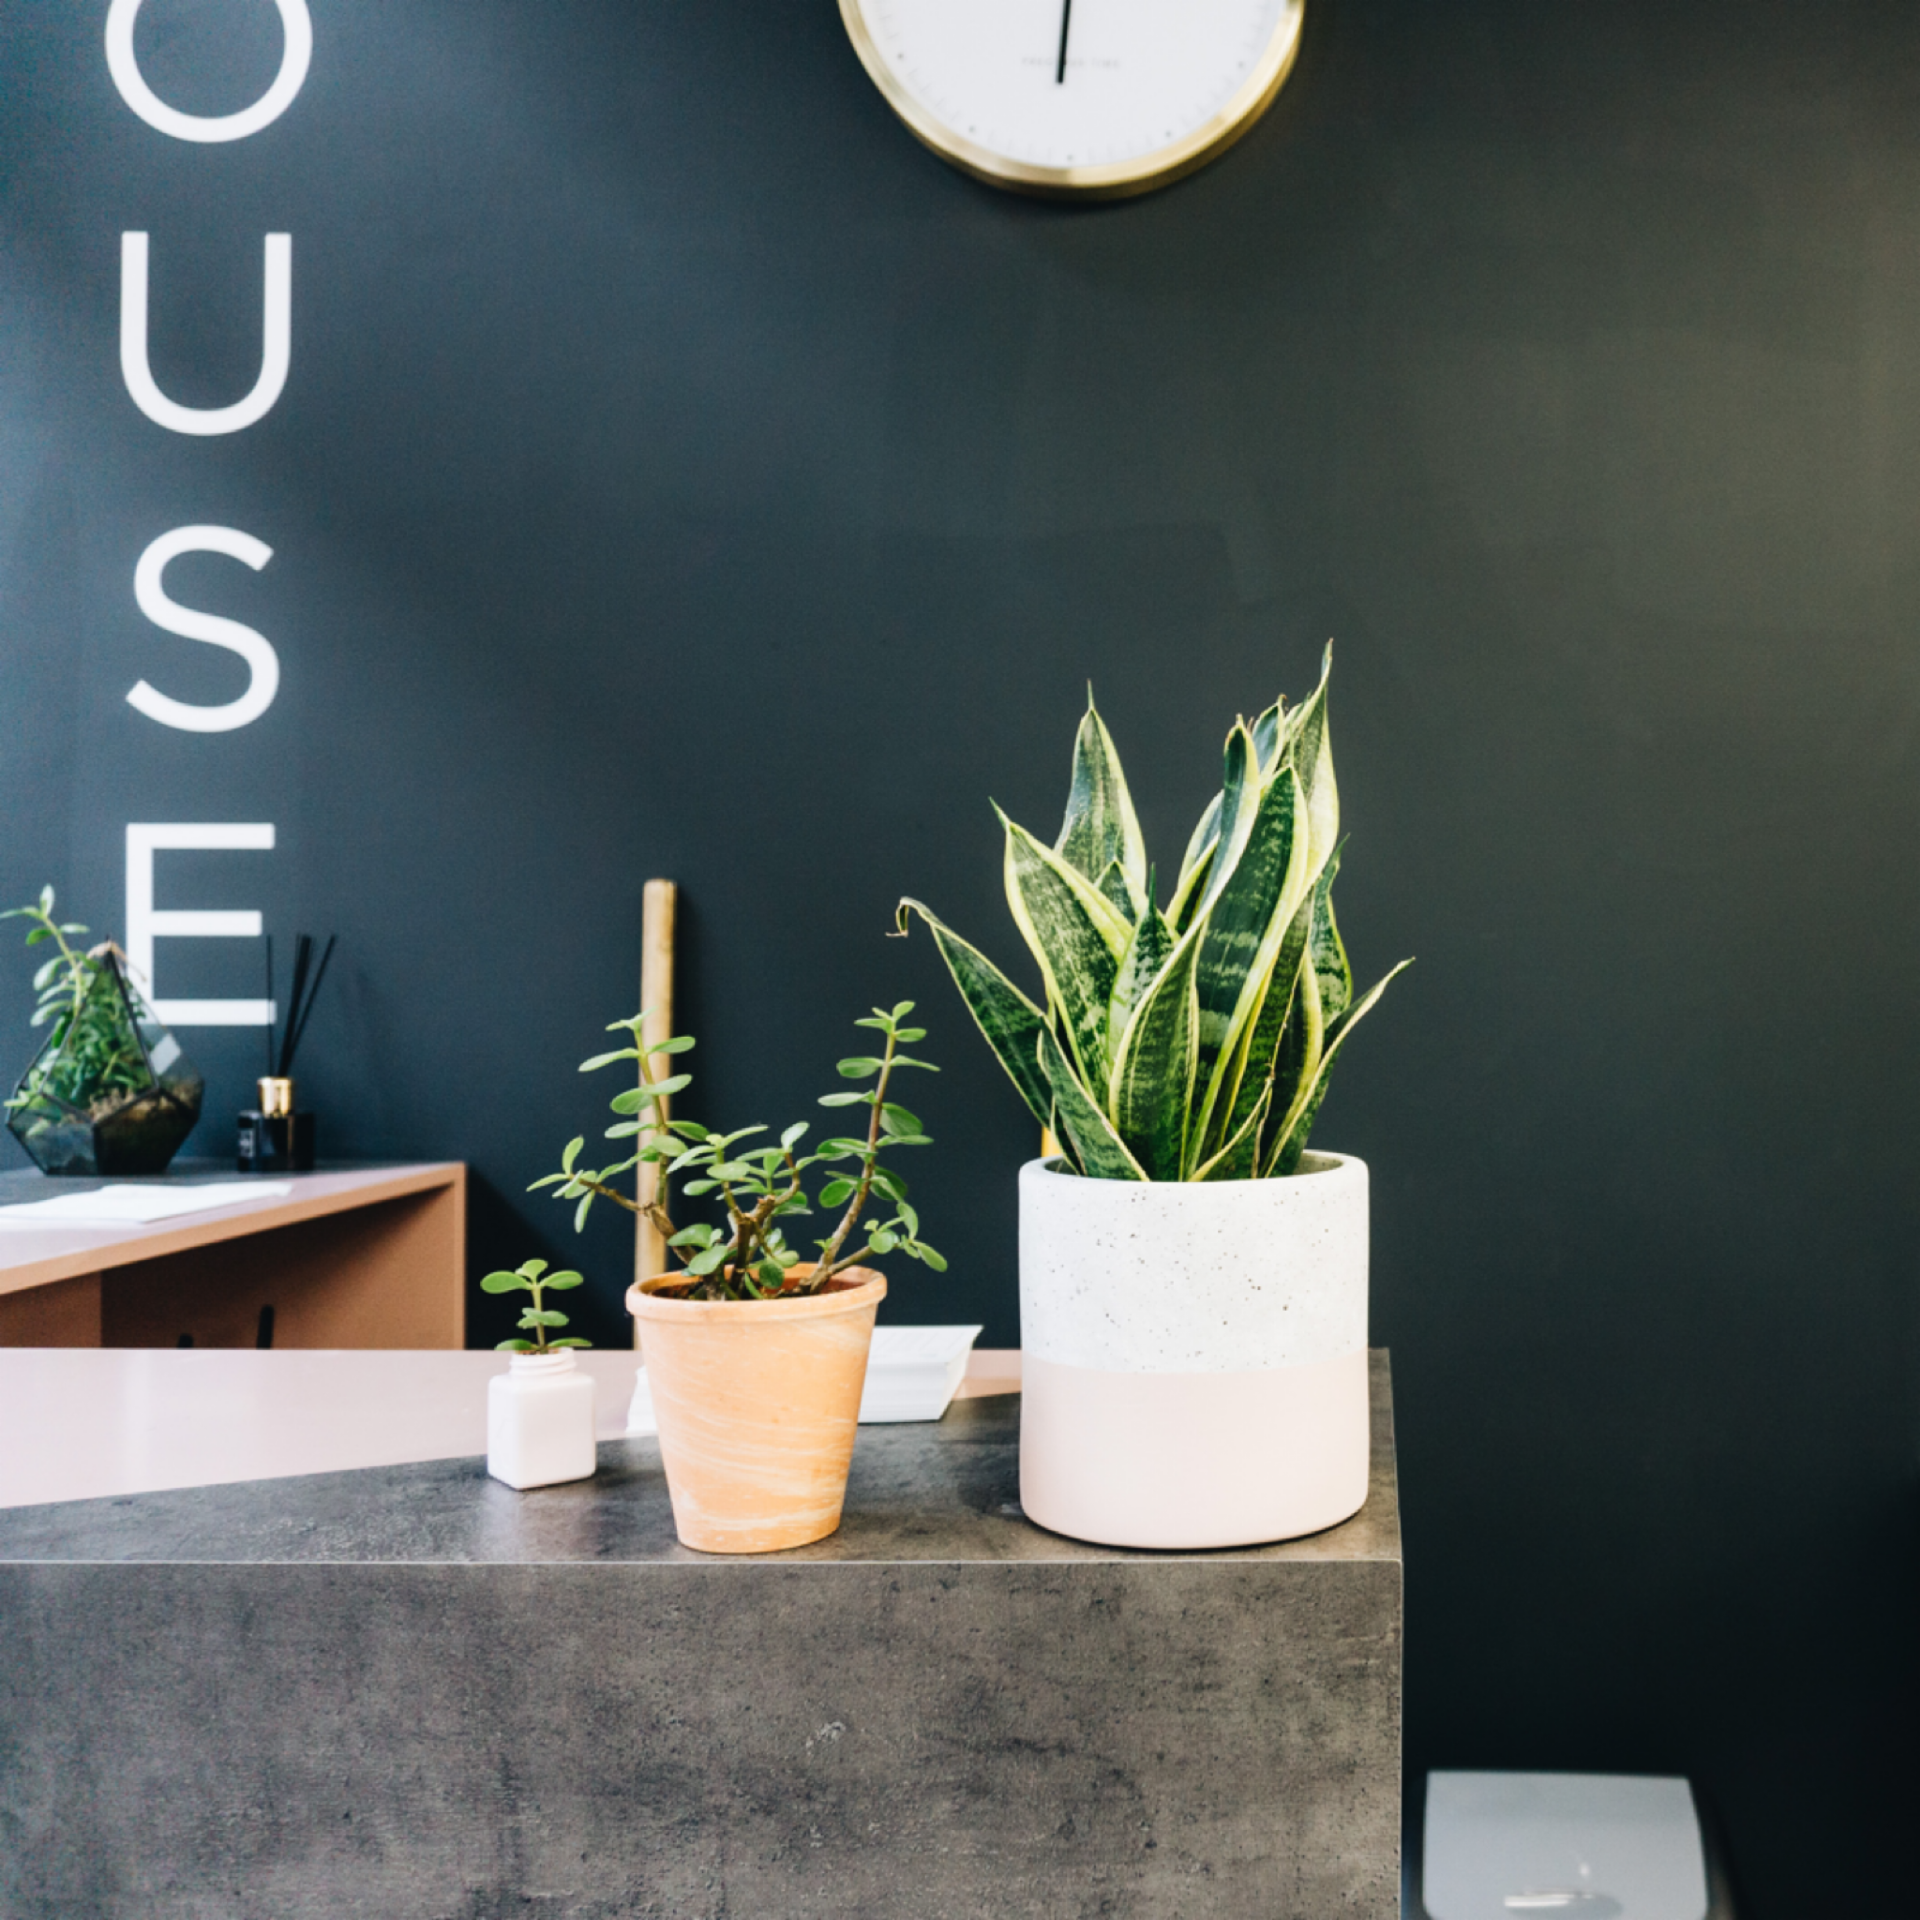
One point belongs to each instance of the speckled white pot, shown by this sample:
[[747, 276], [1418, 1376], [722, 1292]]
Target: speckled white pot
[[1194, 1358]]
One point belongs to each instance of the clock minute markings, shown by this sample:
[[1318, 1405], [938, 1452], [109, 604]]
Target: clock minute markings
[[1060, 64]]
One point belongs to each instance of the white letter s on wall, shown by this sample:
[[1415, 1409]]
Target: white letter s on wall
[[168, 614]]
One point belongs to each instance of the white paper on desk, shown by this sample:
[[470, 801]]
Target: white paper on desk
[[139, 1206], [912, 1374]]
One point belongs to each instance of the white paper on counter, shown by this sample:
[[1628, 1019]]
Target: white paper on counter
[[912, 1374], [130, 1206]]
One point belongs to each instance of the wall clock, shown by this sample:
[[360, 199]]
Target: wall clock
[[1078, 99]]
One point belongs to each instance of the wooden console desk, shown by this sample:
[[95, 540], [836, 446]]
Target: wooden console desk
[[358, 1257]]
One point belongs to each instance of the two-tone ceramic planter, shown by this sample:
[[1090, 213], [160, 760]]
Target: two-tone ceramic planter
[[1194, 1357], [757, 1402]]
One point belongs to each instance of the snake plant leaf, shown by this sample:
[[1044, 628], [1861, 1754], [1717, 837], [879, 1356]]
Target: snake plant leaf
[[1079, 1123], [1186, 896], [1153, 1067], [1195, 1043], [1077, 936], [1239, 1159], [1321, 999], [1241, 935], [1309, 746], [1291, 1141], [1100, 826], [1269, 732], [1029, 857], [1146, 954], [1239, 807], [1257, 1062], [1195, 864], [1000, 1010], [1327, 951], [1297, 1062], [1113, 885]]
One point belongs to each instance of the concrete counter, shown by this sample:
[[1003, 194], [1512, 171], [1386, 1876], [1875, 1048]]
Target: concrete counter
[[410, 1691]]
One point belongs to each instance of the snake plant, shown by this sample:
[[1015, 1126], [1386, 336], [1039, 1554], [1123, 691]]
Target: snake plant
[[1191, 1042]]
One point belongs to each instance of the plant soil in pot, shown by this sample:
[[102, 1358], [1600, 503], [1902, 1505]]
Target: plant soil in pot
[[757, 1402], [1193, 1285]]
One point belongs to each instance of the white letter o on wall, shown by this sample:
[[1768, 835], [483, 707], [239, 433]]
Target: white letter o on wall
[[296, 24]]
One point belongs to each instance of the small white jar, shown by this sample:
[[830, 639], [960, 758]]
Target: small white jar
[[540, 1421]]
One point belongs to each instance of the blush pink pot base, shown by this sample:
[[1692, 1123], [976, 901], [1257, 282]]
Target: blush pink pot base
[[1113, 1457]]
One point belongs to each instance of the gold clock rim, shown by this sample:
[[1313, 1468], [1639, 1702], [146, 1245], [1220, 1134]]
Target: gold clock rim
[[1117, 179]]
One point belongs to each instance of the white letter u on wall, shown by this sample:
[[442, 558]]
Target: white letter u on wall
[[276, 343], [171, 617]]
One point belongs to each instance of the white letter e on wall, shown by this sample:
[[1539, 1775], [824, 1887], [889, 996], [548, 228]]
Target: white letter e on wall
[[171, 617]]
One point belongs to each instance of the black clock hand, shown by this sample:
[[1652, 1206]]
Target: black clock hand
[[1066, 20]]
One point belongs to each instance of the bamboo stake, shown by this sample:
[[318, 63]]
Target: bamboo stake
[[657, 907]]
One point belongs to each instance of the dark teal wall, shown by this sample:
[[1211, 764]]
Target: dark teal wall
[[683, 473]]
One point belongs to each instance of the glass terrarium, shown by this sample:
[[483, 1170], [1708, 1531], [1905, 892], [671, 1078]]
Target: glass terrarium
[[111, 1092]]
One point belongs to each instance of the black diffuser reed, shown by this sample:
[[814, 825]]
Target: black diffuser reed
[[276, 1137], [299, 1001]]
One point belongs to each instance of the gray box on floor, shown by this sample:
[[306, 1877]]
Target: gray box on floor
[[1584, 1846]]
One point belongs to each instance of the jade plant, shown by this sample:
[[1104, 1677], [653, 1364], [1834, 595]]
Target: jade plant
[[94, 1052], [532, 1277], [1191, 1041], [756, 1189]]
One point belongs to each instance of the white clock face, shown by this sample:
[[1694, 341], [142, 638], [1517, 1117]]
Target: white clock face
[[1087, 92]]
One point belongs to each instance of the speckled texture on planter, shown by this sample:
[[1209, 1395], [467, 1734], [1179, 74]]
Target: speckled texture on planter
[[413, 1692], [1229, 1276]]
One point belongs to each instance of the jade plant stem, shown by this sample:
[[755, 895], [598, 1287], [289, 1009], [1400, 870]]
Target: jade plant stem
[[830, 1252]]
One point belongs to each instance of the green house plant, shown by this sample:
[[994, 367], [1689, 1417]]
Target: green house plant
[[540, 1411], [1193, 1279], [756, 1356], [110, 1090]]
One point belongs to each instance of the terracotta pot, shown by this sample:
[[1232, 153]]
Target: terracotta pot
[[757, 1402], [1194, 1371]]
